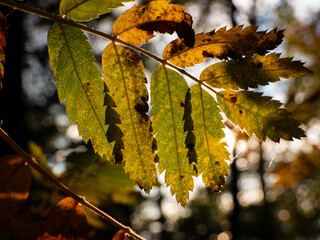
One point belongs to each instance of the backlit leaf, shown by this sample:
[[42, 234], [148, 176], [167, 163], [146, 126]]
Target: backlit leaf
[[65, 221], [120, 235], [3, 34], [137, 24], [222, 44], [80, 84], [15, 182], [108, 182], [259, 115], [252, 71], [123, 73], [208, 132], [85, 10], [168, 94]]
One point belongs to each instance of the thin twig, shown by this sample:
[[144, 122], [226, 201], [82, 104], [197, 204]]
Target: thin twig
[[32, 162]]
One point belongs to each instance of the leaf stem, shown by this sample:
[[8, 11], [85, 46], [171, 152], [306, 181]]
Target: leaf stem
[[32, 162]]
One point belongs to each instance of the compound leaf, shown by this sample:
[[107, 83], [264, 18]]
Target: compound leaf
[[252, 71], [66, 220], [80, 84], [168, 94], [222, 44], [85, 10], [137, 24], [208, 131], [259, 115], [15, 182], [123, 73]]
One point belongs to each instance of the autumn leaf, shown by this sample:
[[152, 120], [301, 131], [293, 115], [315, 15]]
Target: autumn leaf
[[66, 220], [222, 44], [15, 182], [80, 84], [208, 132], [252, 71], [3, 34], [123, 73], [301, 167], [259, 115], [137, 24], [168, 93], [120, 235], [85, 10]]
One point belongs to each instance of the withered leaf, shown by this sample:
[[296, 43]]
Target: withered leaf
[[223, 44], [137, 24], [3, 34], [120, 235], [65, 221], [15, 181]]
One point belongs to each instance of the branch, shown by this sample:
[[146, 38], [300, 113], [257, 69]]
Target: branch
[[32, 162]]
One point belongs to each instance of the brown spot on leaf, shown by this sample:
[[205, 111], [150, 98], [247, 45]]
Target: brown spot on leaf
[[259, 65], [205, 54], [233, 99]]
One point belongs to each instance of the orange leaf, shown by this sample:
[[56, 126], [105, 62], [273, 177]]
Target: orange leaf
[[15, 181], [3, 34], [137, 24], [65, 221], [222, 44], [120, 235]]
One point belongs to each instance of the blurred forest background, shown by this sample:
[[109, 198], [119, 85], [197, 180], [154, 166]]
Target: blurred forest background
[[273, 191]]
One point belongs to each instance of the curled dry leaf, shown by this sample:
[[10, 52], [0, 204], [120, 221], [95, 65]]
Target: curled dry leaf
[[137, 25], [15, 181], [66, 220]]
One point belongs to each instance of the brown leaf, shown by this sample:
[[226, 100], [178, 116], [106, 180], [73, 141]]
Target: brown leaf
[[137, 24], [223, 44], [3, 34], [65, 221], [120, 235], [15, 181]]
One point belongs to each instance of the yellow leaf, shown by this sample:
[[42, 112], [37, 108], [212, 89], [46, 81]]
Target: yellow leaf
[[137, 24], [252, 71], [123, 73], [222, 44]]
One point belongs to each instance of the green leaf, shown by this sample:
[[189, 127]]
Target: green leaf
[[252, 71], [85, 10], [222, 44], [168, 96], [123, 73], [259, 115], [208, 132], [80, 84], [107, 181]]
